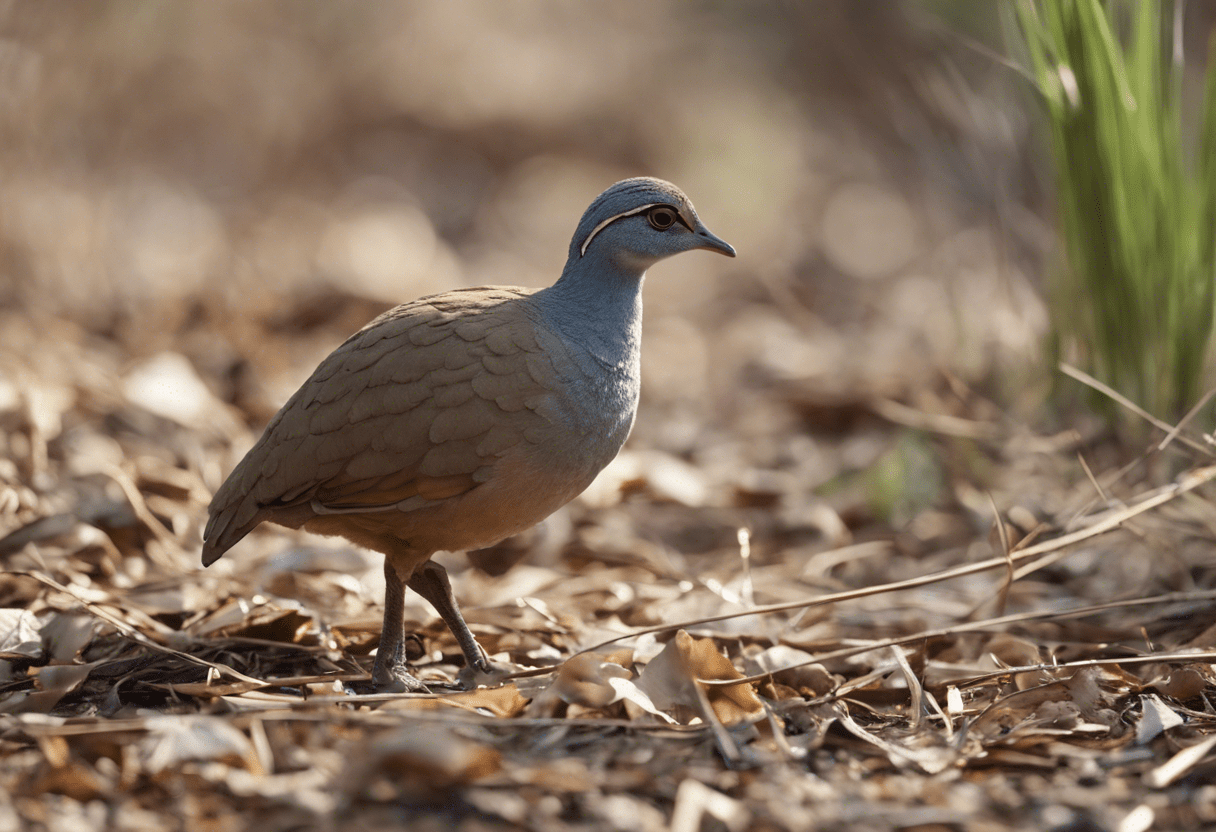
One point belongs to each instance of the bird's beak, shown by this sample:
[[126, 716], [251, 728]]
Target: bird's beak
[[709, 241]]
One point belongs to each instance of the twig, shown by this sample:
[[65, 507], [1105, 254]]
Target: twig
[[1092, 479], [974, 627], [1190, 414], [1107, 390], [1151, 658], [1179, 764], [1007, 582], [1186, 483], [135, 635], [942, 423], [145, 515], [916, 691]]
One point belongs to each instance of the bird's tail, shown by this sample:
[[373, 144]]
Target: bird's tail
[[233, 516]]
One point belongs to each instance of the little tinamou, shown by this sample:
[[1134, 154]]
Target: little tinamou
[[459, 419]]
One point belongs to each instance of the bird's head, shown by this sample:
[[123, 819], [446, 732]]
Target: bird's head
[[637, 222]]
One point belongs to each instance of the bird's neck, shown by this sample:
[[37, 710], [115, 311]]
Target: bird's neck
[[597, 303]]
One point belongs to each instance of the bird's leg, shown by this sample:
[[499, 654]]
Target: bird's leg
[[389, 674], [431, 582]]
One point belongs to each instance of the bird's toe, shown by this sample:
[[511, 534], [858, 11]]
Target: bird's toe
[[482, 674], [392, 678]]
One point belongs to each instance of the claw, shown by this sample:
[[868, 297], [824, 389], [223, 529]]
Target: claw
[[394, 677], [482, 674], [400, 682]]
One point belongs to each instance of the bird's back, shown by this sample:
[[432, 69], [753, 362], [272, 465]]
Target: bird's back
[[397, 433]]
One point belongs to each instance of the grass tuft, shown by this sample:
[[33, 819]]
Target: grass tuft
[[1137, 200]]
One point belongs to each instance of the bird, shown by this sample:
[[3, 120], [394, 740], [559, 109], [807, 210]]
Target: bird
[[454, 421]]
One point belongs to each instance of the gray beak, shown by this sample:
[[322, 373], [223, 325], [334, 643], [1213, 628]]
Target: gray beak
[[709, 241]]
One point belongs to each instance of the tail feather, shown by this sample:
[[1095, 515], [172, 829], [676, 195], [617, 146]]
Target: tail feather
[[235, 512], [211, 552], [217, 538], [233, 515]]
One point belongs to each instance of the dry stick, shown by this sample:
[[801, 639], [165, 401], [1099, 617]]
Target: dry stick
[[1172, 432], [726, 745], [1179, 764], [1190, 414], [952, 34], [947, 723], [1042, 563], [980, 626], [916, 691], [1007, 549], [1152, 658], [145, 515], [1170, 435], [304, 711], [1092, 479], [942, 423], [1186, 483], [929, 758], [135, 635], [1120, 474], [1087, 379]]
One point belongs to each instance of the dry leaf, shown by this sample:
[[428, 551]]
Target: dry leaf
[[1156, 718], [66, 634], [587, 679], [671, 679], [420, 757], [174, 740], [20, 635], [810, 680], [54, 682], [1183, 683]]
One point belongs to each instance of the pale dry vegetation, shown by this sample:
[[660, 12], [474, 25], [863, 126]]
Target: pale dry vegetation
[[952, 609]]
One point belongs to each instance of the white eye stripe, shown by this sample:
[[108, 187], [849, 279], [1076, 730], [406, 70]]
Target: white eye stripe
[[610, 220]]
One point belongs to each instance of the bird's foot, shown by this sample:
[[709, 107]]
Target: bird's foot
[[392, 678], [482, 674]]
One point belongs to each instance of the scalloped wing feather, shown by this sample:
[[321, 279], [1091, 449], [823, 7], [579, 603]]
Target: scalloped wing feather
[[421, 402]]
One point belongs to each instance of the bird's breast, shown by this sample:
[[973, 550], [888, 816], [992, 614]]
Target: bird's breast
[[597, 412]]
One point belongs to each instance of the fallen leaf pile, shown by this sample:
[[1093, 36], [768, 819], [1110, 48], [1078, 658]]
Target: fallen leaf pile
[[847, 574], [773, 677]]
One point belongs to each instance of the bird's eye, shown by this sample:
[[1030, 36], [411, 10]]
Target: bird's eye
[[661, 218]]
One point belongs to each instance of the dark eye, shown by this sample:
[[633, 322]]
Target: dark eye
[[661, 218]]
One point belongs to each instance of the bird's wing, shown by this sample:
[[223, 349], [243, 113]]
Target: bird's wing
[[418, 404]]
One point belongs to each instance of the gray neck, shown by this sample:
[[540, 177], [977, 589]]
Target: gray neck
[[597, 304]]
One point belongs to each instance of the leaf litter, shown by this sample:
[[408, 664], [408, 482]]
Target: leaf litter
[[830, 584], [644, 683]]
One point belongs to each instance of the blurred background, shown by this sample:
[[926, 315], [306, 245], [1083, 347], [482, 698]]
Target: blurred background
[[241, 185], [200, 200]]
